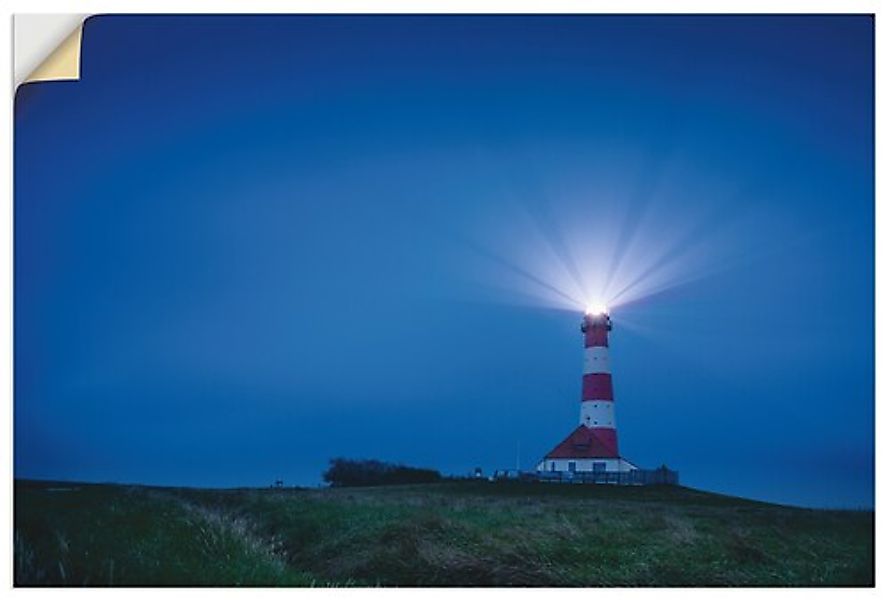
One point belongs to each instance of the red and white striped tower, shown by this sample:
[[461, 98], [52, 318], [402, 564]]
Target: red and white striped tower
[[597, 401], [592, 446]]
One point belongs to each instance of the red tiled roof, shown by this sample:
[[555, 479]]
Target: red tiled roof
[[584, 443]]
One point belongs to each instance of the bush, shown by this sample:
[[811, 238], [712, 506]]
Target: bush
[[344, 472]]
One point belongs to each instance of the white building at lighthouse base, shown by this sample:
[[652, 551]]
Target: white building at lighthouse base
[[586, 450], [585, 465]]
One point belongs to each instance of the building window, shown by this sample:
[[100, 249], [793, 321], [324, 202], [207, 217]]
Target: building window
[[598, 467], [572, 467]]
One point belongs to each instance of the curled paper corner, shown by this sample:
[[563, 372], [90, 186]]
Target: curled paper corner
[[47, 47], [63, 63]]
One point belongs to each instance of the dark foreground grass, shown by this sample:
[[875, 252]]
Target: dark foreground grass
[[460, 533]]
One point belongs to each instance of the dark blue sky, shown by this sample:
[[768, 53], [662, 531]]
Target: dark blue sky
[[245, 245]]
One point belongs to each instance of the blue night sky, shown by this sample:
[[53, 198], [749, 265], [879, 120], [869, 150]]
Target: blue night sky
[[245, 245]]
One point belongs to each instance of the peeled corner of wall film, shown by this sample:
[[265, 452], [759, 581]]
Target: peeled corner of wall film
[[47, 47]]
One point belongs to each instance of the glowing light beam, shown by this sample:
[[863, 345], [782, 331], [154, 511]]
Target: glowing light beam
[[598, 247]]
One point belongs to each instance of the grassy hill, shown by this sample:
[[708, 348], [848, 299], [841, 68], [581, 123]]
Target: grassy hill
[[455, 533]]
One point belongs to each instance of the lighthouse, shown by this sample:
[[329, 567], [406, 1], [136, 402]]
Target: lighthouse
[[592, 446]]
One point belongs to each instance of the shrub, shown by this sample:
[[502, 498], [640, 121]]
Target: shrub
[[344, 472]]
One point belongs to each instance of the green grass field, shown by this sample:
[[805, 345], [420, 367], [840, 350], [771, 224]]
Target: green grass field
[[456, 533]]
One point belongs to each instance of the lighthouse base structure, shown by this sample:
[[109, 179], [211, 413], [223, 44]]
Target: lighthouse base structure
[[586, 450], [586, 465]]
